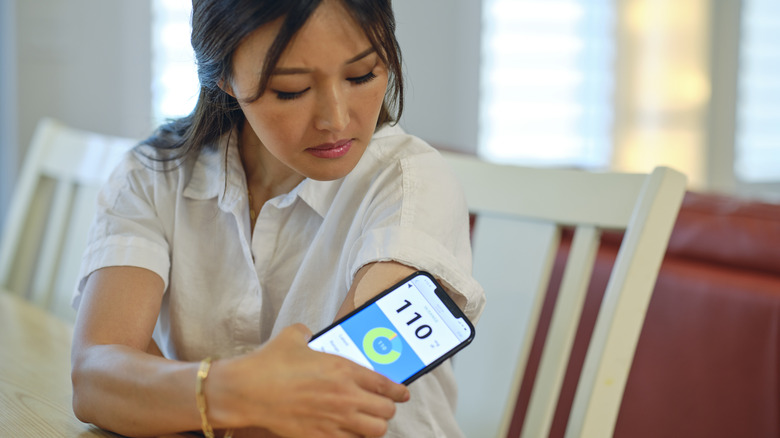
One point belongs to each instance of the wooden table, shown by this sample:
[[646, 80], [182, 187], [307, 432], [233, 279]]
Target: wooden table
[[35, 388]]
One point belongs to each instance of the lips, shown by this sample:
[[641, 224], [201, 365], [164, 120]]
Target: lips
[[331, 150]]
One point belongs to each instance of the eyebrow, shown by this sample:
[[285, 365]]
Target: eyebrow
[[295, 71]]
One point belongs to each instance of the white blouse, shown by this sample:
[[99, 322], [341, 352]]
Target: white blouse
[[228, 290]]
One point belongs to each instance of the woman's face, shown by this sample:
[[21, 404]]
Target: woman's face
[[320, 109]]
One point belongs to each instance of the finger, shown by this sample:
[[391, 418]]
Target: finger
[[376, 405], [368, 425], [395, 391], [349, 434], [379, 384]]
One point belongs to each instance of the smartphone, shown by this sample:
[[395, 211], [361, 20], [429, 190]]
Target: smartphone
[[402, 333]]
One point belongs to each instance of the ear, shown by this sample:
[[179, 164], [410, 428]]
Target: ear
[[225, 87]]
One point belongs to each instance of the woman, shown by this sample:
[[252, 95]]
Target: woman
[[286, 199]]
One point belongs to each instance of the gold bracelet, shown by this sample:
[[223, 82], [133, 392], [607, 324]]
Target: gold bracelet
[[203, 372]]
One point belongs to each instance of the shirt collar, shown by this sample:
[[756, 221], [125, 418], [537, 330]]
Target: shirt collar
[[215, 176]]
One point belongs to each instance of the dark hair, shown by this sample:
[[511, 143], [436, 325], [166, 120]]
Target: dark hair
[[219, 26]]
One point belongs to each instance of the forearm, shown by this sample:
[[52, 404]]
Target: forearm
[[121, 384], [134, 393]]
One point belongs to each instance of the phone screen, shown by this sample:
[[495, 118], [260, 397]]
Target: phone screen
[[402, 333]]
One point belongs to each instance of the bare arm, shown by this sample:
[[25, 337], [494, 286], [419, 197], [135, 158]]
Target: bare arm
[[116, 384], [283, 386], [370, 280]]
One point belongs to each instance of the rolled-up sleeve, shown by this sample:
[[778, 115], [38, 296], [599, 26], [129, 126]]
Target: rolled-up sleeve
[[418, 216], [126, 230]]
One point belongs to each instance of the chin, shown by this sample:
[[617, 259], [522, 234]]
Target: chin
[[331, 172], [327, 176]]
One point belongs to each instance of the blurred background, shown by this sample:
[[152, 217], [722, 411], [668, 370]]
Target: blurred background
[[596, 84]]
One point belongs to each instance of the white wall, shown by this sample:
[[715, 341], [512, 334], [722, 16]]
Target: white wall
[[85, 62], [440, 42], [9, 145]]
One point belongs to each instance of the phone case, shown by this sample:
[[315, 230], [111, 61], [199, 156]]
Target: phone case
[[443, 297]]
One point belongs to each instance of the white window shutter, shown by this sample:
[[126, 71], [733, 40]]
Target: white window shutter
[[174, 75], [547, 79], [757, 142]]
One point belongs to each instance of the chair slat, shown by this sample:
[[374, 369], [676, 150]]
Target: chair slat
[[22, 264], [82, 215], [45, 232], [22, 200], [508, 272], [563, 329], [618, 326], [644, 206], [51, 249]]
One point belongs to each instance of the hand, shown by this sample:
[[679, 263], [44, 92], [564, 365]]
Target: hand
[[295, 391]]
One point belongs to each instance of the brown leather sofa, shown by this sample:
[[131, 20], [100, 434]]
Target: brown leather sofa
[[708, 359]]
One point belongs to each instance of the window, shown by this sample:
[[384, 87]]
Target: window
[[757, 142], [547, 79], [174, 76]]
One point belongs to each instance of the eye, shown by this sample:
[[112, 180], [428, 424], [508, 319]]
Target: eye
[[285, 95], [363, 79]]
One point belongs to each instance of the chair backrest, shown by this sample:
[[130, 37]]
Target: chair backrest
[[520, 213], [51, 210]]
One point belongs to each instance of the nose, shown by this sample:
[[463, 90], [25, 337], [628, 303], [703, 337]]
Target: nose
[[332, 112]]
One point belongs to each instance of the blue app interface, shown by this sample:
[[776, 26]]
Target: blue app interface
[[387, 351], [399, 334]]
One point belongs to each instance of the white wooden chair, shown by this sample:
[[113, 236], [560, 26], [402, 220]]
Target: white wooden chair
[[519, 216], [51, 210]]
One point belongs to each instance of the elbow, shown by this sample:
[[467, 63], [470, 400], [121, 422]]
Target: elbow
[[79, 408], [79, 401]]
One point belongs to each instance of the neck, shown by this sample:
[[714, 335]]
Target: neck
[[266, 176]]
